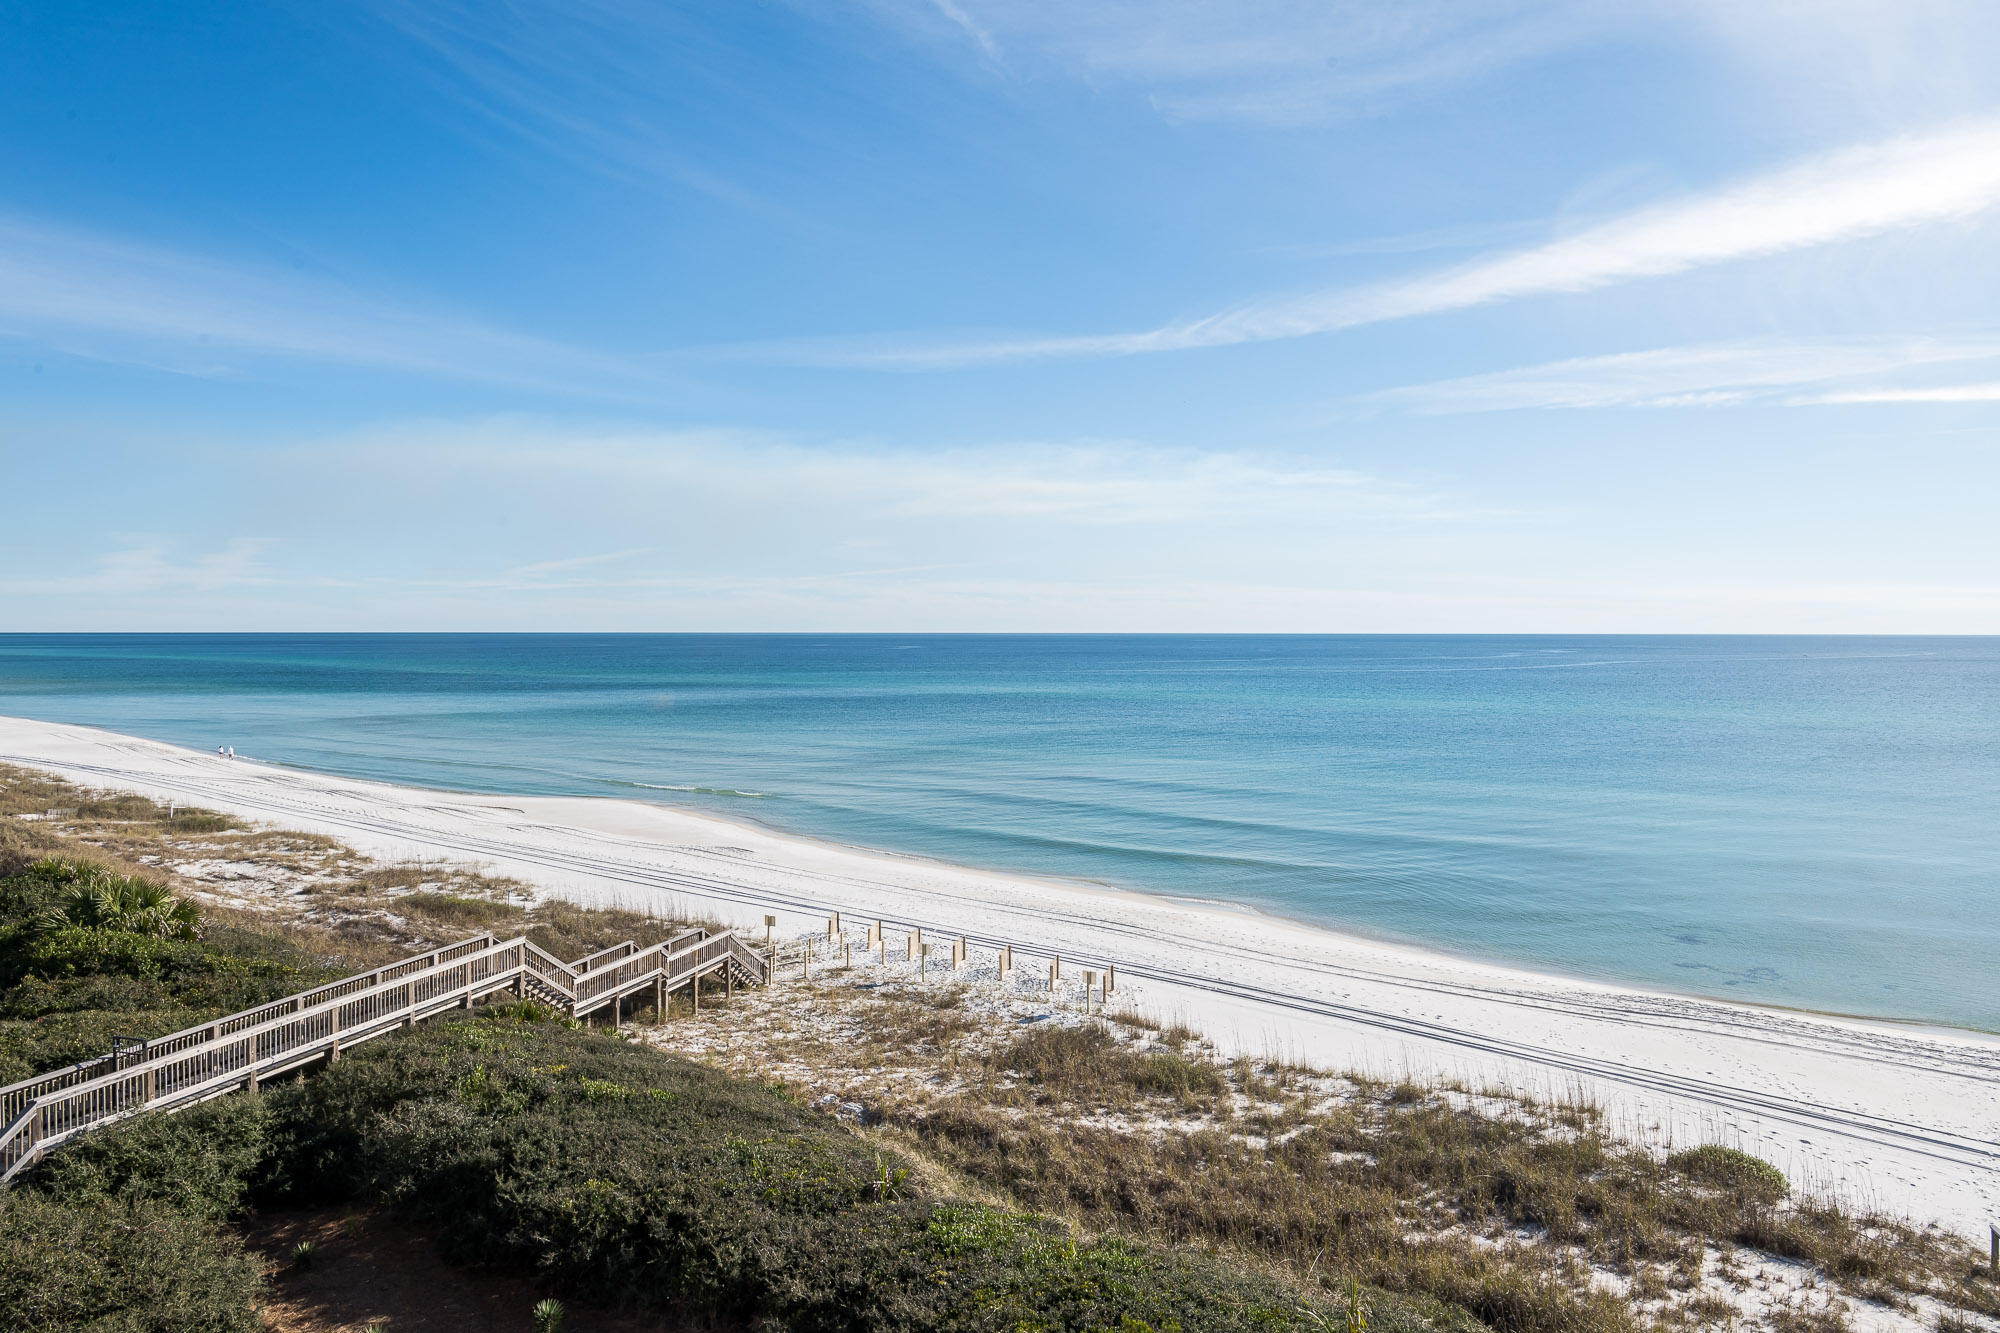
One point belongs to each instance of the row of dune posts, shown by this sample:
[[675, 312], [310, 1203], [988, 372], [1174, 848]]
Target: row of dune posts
[[1098, 984]]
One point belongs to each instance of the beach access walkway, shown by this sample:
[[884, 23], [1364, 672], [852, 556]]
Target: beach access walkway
[[237, 1052]]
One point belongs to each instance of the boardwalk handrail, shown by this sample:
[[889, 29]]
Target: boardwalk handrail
[[676, 961], [237, 1050], [16, 1095], [268, 1045]]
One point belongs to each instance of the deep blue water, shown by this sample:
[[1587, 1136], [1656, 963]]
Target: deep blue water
[[1802, 821]]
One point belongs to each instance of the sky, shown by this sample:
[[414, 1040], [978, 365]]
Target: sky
[[1535, 316]]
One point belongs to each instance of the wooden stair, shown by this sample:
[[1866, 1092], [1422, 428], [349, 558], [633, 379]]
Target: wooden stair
[[216, 1058]]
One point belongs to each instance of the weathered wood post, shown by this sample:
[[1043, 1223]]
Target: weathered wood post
[[1110, 978], [1055, 970], [1006, 960], [923, 960], [875, 934], [770, 923], [1089, 985], [833, 926], [1055, 967], [1993, 1236]]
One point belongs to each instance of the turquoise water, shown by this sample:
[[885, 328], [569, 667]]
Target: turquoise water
[[1808, 822]]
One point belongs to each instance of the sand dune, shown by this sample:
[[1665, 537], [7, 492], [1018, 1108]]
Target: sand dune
[[1900, 1118]]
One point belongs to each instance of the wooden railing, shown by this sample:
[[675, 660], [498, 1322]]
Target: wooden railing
[[235, 1052]]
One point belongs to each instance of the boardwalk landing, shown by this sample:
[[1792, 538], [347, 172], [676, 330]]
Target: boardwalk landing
[[199, 1063]]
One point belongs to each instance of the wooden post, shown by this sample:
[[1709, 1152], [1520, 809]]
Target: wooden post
[[1993, 1235], [846, 954], [769, 923], [660, 998], [923, 960], [146, 1086], [1055, 967], [1110, 978], [1054, 972], [1089, 984], [875, 934], [728, 983], [333, 1052], [1006, 960], [833, 926], [694, 989], [884, 943], [250, 1081]]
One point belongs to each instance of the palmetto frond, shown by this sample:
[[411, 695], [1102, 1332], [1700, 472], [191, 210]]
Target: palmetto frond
[[93, 896]]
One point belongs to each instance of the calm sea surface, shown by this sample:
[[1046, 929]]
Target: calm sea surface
[[1809, 822]]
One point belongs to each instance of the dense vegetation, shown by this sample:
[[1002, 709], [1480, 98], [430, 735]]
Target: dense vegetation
[[75, 970], [619, 1174], [607, 1169]]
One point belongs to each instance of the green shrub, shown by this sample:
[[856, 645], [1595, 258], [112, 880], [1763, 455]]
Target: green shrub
[[108, 1267], [203, 1162], [1733, 1170], [85, 894], [67, 990], [627, 1177]]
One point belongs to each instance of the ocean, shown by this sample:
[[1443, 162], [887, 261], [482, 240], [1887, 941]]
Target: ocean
[[1811, 822]]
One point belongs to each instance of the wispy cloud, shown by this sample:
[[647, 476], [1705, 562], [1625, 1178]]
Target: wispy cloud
[[1090, 483], [607, 85], [104, 297], [1284, 61], [151, 565], [1711, 374], [1942, 393], [1293, 62], [1871, 190], [545, 568]]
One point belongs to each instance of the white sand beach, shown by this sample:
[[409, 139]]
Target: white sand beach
[[1903, 1119]]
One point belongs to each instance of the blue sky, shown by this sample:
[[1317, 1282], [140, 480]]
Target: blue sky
[[1360, 315]]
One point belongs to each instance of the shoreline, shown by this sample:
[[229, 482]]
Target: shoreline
[[1350, 934], [1906, 1115]]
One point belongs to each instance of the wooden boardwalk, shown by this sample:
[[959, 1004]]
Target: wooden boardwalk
[[198, 1063]]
